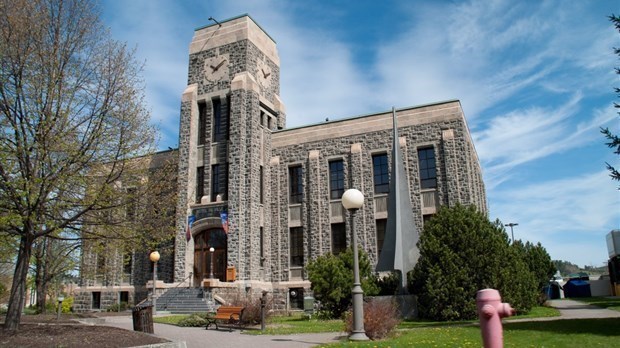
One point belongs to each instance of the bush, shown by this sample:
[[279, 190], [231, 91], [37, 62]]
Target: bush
[[114, 307], [462, 252], [67, 305], [380, 318], [194, 320], [251, 313], [388, 284], [332, 280]]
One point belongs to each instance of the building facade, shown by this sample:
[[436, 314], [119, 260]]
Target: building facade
[[267, 198]]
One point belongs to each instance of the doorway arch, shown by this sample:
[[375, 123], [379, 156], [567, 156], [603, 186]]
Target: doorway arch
[[211, 238]]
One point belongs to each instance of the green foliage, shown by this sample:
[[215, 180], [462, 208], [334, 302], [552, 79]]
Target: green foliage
[[388, 284], [538, 262], [194, 320], [462, 252], [115, 307], [613, 140], [332, 280], [67, 305]]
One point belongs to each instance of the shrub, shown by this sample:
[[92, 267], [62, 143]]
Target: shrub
[[462, 252], [332, 280], [380, 318], [114, 307], [388, 284], [194, 320], [67, 305], [251, 313]]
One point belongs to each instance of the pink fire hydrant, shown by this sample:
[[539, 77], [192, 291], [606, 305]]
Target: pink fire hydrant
[[491, 310]]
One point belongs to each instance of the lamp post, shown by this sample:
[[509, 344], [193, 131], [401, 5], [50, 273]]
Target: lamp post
[[154, 256], [511, 225], [352, 200], [60, 299], [211, 250]]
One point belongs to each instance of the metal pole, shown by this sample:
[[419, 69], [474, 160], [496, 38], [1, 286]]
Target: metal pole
[[358, 333], [154, 288], [212, 250], [511, 225]]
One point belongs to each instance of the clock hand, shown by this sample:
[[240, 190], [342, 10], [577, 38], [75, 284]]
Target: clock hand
[[219, 65], [265, 75]]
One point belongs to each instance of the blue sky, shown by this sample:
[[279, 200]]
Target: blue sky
[[535, 79]]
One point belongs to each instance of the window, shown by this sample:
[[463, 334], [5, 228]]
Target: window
[[336, 179], [428, 170], [381, 224], [297, 247], [202, 123], [200, 183], [262, 247], [220, 121], [262, 118], [381, 173], [339, 238], [215, 181], [261, 185], [219, 181], [96, 300], [295, 185]]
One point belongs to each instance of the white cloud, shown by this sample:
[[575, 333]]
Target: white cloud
[[562, 213]]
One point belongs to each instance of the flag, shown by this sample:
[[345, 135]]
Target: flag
[[190, 222], [224, 217]]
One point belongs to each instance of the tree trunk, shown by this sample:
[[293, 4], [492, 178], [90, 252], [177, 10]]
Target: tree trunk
[[18, 289], [41, 271]]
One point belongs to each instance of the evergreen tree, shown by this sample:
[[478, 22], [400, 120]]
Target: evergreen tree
[[332, 280], [462, 252], [613, 140]]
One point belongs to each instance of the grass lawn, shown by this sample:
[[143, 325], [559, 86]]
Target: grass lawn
[[604, 302], [559, 333]]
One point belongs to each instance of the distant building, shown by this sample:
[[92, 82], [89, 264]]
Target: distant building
[[267, 198]]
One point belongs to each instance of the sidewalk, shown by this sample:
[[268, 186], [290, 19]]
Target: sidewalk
[[194, 337], [197, 337], [570, 309]]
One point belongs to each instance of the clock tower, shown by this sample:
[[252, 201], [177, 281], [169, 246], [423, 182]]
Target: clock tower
[[229, 110]]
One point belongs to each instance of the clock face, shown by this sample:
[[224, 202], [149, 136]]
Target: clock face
[[263, 73], [216, 68]]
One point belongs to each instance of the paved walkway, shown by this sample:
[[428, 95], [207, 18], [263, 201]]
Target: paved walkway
[[194, 337]]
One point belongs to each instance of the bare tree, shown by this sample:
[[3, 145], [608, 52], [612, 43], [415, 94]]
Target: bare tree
[[71, 113]]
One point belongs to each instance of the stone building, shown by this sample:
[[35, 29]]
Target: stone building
[[267, 198]]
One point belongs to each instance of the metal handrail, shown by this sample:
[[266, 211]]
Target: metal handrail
[[191, 274]]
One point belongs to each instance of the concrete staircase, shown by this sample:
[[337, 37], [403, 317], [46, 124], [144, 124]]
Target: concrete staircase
[[184, 300]]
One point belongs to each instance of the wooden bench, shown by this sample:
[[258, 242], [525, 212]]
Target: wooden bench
[[226, 314]]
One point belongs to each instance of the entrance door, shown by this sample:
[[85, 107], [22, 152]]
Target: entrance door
[[216, 239]]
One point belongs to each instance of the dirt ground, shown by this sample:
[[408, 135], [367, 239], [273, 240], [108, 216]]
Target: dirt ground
[[45, 331]]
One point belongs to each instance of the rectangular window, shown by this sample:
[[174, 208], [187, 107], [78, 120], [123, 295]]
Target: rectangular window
[[262, 118], [297, 247], [381, 173], [336, 179], [202, 123], [261, 185], [428, 169], [200, 183], [339, 238], [381, 224], [220, 121], [215, 182], [295, 180], [262, 248]]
